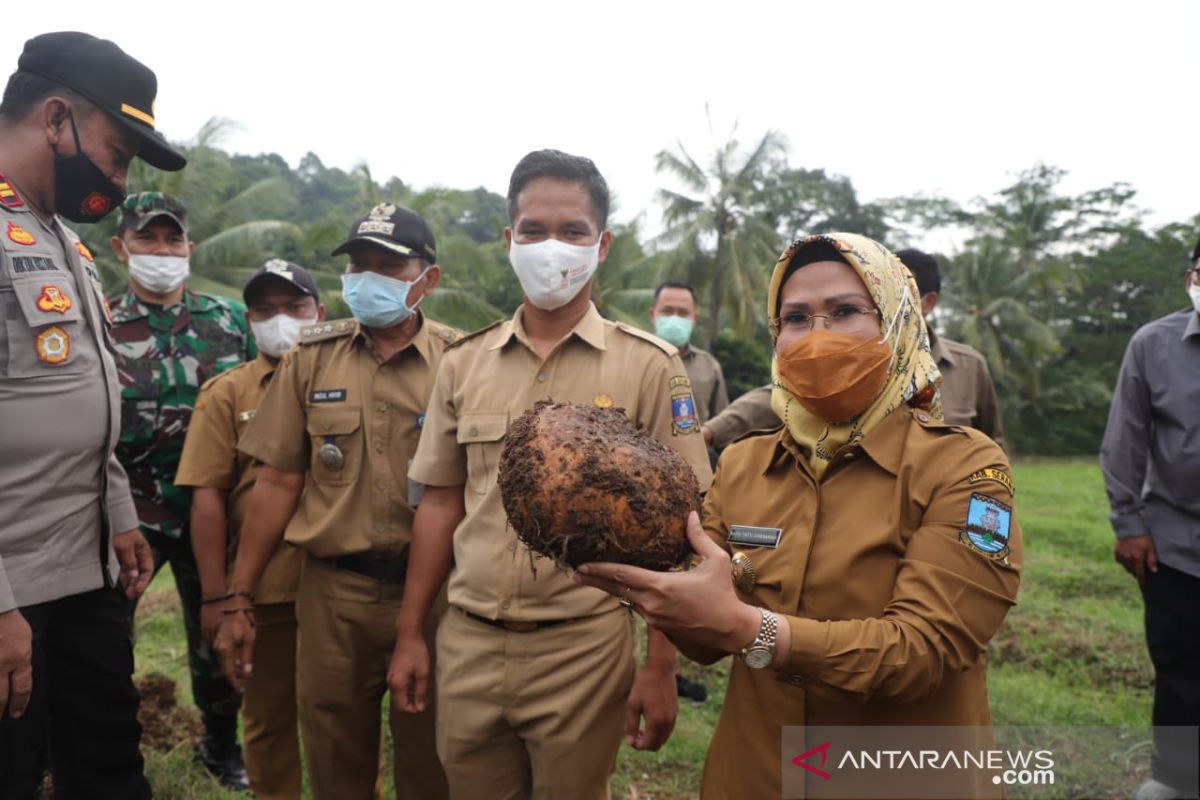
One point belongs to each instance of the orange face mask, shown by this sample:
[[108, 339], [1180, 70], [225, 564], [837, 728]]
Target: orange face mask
[[833, 375]]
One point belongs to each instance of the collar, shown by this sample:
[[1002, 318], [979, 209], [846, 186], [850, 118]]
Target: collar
[[420, 339], [590, 328], [130, 307], [1193, 326], [940, 354], [885, 443], [262, 369]]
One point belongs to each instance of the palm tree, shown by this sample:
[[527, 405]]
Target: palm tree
[[720, 227], [989, 309]]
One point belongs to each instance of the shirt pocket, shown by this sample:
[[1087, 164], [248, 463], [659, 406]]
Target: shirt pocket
[[339, 428], [43, 326], [770, 570], [482, 434]]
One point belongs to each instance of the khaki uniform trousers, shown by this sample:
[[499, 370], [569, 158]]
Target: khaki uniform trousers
[[269, 720], [347, 631], [532, 715]]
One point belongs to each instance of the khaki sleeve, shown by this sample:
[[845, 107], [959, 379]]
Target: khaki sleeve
[[210, 450], [988, 407], [948, 601], [440, 460], [720, 395], [665, 400], [277, 436], [750, 412]]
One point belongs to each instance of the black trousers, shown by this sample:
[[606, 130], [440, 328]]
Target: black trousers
[[1172, 600], [82, 717]]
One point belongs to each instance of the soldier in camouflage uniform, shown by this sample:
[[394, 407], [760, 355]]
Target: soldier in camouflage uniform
[[169, 341]]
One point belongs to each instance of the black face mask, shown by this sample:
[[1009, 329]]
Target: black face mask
[[82, 192]]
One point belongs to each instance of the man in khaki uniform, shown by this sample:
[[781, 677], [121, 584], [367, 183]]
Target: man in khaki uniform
[[281, 298], [335, 434], [968, 395], [535, 674], [750, 412], [674, 317]]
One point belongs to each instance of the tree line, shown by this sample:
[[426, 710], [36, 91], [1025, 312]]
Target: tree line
[[1049, 286]]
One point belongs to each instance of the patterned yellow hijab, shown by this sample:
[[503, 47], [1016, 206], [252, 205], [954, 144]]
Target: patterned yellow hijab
[[913, 378]]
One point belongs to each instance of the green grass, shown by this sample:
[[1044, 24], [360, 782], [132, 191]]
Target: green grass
[[1070, 654]]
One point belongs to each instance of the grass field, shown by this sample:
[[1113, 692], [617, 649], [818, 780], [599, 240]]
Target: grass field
[[1070, 654]]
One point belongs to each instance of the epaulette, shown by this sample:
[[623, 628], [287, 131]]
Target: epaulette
[[323, 331], [448, 335], [8, 195], [464, 337], [225, 373], [666, 347]]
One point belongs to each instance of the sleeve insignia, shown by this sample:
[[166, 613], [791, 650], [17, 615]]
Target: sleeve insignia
[[987, 526], [995, 475], [680, 380], [683, 415]]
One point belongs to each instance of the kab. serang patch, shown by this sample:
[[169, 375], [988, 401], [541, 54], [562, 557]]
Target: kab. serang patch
[[987, 527]]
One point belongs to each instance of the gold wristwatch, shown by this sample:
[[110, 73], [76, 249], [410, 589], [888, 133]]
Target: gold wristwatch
[[761, 652]]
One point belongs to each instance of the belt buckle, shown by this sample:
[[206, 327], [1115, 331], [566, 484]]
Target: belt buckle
[[519, 626]]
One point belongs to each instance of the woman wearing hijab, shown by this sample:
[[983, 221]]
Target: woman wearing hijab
[[873, 549]]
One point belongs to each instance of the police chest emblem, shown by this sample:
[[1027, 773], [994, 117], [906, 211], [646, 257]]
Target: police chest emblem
[[53, 345], [987, 527], [19, 235], [53, 299]]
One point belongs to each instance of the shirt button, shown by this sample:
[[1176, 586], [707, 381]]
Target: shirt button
[[796, 680], [848, 456], [472, 431], [327, 426], [381, 485], [378, 448], [921, 415], [504, 606], [381, 406], [512, 547], [379, 529], [541, 377]]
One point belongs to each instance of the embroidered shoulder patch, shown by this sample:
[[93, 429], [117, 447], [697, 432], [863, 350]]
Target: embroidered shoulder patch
[[683, 415], [987, 527], [990, 474], [679, 380]]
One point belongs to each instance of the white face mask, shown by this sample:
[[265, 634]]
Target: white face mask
[[159, 274], [1194, 293], [553, 272], [276, 335]]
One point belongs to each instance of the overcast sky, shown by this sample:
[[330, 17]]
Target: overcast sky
[[902, 97]]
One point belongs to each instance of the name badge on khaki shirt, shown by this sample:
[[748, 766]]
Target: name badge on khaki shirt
[[754, 536]]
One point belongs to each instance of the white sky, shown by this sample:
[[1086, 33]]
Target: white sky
[[903, 97]]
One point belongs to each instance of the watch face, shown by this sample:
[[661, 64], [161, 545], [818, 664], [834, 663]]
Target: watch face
[[757, 657]]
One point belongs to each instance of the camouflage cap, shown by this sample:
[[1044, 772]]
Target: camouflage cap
[[138, 209]]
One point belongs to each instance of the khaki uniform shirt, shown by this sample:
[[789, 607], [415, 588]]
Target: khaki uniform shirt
[[490, 379], [708, 382], [334, 390], [210, 459], [968, 396], [750, 412], [893, 573], [59, 415]]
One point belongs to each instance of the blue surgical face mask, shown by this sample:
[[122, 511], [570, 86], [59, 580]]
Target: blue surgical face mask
[[378, 301], [676, 330]]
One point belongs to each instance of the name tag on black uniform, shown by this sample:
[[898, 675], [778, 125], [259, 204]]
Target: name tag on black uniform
[[327, 396], [753, 536]]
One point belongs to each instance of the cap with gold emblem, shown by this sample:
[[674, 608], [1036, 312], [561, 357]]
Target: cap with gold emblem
[[395, 228]]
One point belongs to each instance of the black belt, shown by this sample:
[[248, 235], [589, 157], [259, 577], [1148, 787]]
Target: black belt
[[516, 625], [383, 567]]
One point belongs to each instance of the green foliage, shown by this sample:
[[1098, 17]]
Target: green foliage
[[745, 362]]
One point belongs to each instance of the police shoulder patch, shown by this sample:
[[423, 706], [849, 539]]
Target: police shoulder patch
[[638, 333], [986, 528], [324, 331]]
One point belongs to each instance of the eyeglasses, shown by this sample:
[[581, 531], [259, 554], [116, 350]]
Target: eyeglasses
[[843, 319]]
